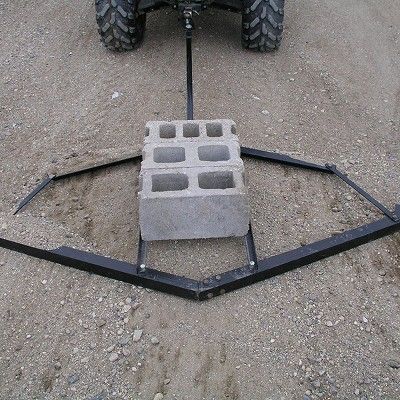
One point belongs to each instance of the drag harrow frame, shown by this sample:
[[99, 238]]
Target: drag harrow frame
[[256, 270]]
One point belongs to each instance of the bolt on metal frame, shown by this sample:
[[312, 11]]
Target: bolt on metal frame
[[256, 270]]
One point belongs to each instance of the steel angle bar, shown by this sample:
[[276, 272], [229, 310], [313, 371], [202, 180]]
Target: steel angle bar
[[70, 174], [362, 192], [110, 268], [281, 263], [34, 192], [282, 159]]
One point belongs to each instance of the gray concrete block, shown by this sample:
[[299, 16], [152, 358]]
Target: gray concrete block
[[192, 154], [193, 203], [192, 181], [197, 130]]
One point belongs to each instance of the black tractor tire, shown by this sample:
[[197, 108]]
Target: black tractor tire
[[262, 24], [120, 26]]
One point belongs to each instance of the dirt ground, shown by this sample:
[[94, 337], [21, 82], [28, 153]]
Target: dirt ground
[[331, 93]]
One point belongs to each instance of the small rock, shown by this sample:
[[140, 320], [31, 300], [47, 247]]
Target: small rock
[[167, 381], [113, 357], [154, 340], [137, 334], [316, 383], [110, 349], [280, 120], [357, 392], [265, 112], [44, 281], [126, 308], [329, 323], [114, 95], [101, 322], [135, 306], [99, 396], [382, 272], [395, 364], [73, 379], [158, 396], [57, 365], [126, 352], [124, 340]]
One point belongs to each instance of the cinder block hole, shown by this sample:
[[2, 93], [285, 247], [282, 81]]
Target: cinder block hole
[[214, 129], [191, 130], [169, 154], [213, 153], [233, 129], [147, 133], [169, 182], [167, 131], [216, 180]]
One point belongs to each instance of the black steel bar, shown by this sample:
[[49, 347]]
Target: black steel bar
[[251, 248], [34, 192], [362, 192], [299, 257], [215, 285], [96, 167], [70, 174], [282, 159], [189, 73], [110, 268]]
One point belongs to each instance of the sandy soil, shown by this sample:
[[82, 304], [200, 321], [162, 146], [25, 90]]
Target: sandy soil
[[331, 93]]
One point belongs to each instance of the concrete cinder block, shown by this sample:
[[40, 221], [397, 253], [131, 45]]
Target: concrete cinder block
[[189, 154], [193, 203], [197, 130], [192, 181]]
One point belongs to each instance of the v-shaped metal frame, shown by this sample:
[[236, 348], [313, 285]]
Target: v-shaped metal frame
[[255, 271]]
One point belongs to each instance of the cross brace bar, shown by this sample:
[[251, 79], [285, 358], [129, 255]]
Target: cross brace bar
[[245, 152]]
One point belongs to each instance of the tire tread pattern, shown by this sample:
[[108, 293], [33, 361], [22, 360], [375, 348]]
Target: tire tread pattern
[[262, 24], [120, 26]]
